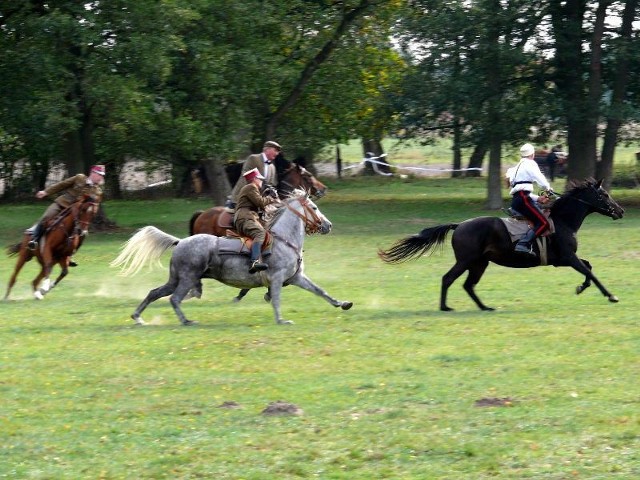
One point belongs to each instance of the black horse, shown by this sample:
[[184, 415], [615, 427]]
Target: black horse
[[234, 170], [478, 241]]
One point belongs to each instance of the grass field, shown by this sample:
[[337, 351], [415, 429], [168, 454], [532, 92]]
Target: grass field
[[545, 387]]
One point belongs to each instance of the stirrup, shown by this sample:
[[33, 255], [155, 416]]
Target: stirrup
[[521, 248], [258, 266]]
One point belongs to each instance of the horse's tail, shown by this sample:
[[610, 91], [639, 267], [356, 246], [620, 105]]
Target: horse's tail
[[193, 219], [416, 245], [146, 246], [14, 249]]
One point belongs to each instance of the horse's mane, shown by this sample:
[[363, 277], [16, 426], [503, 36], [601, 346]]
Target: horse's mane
[[281, 207], [573, 187]]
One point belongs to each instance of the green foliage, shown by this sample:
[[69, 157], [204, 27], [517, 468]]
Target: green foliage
[[389, 389]]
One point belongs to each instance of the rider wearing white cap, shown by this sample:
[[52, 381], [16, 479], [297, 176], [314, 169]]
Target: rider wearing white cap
[[521, 178], [247, 215]]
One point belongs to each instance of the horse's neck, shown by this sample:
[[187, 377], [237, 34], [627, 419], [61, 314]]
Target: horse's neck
[[571, 217], [290, 227], [66, 221]]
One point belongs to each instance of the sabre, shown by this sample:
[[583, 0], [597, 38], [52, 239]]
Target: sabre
[[157, 184]]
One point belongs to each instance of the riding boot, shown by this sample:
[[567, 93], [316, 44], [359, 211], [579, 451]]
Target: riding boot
[[36, 233], [524, 244], [256, 261]]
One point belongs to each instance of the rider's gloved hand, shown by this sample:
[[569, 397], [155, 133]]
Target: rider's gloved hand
[[270, 192]]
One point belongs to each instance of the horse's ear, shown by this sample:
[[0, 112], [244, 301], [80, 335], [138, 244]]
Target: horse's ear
[[599, 183]]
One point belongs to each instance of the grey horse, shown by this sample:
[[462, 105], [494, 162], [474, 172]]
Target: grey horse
[[208, 256]]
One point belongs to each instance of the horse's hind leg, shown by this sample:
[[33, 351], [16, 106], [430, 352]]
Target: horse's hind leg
[[152, 296], [22, 259], [178, 295], [475, 273], [447, 280], [241, 295]]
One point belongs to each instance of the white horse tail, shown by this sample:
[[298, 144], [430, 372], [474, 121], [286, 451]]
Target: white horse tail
[[143, 248]]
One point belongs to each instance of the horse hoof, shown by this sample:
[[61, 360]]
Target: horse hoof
[[446, 309], [613, 299], [488, 309], [285, 322], [236, 299], [189, 323], [579, 289], [38, 295], [346, 305], [267, 297], [138, 320]]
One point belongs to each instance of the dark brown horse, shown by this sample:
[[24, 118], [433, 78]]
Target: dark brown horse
[[63, 236], [293, 177], [478, 241]]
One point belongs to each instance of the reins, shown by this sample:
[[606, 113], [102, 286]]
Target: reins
[[311, 226], [605, 211]]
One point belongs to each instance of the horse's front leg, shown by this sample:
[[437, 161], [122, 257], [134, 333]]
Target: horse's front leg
[[302, 281], [585, 268], [41, 284], [275, 289]]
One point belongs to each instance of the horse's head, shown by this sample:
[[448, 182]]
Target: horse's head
[[295, 177], [308, 211], [85, 209], [591, 193]]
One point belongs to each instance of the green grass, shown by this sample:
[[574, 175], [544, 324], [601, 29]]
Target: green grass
[[388, 388]]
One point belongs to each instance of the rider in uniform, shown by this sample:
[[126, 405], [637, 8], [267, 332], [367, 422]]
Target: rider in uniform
[[521, 178], [72, 188], [247, 215], [264, 163]]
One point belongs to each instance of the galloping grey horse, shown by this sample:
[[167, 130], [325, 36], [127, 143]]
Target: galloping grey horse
[[207, 256]]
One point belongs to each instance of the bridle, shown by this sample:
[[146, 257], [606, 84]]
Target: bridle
[[609, 211], [82, 226], [312, 221], [304, 173]]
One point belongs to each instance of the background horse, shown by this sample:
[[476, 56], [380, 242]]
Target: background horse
[[63, 236], [208, 256], [292, 178], [478, 241]]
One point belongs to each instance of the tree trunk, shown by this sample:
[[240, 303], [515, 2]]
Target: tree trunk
[[477, 158], [457, 150], [579, 90], [373, 148], [615, 116], [217, 178]]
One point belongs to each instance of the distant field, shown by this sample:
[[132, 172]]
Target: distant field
[[412, 153]]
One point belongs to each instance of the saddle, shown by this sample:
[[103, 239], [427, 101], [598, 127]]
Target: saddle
[[225, 220], [517, 224], [235, 244]]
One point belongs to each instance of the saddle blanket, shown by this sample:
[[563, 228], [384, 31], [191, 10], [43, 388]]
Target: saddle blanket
[[240, 246], [517, 228]]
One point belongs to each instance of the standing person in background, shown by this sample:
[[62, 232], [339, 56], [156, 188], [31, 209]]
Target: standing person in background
[[261, 161], [552, 160], [521, 178], [72, 188]]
